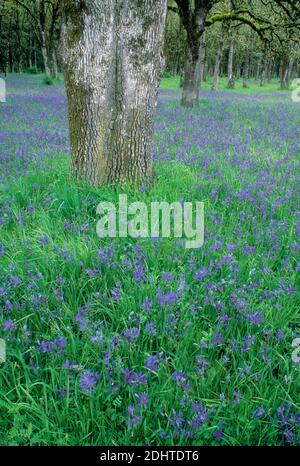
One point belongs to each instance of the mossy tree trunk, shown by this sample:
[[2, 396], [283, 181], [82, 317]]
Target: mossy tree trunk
[[112, 62]]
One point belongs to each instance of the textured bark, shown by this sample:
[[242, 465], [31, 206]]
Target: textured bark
[[219, 55], [112, 63], [190, 83], [193, 15], [230, 75]]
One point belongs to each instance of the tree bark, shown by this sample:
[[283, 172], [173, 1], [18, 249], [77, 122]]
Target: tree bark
[[264, 67], [54, 71], [286, 70], [190, 84], [201, 60], [45, 55], [41, 21], [193, 20], [112, 63], [270, 70], [291, 67], [230, 75], [246, 70], [257, 74], [219, 55]]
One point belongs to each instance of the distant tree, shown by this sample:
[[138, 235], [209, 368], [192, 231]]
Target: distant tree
[[193, 15], [219, 55], [230, 73], [201, 60], [266, 18], [32, 25]]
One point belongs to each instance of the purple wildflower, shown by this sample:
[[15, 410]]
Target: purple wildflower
[[88, 382], [131, 334]]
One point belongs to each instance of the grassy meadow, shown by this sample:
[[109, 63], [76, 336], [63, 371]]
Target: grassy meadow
[[142, 341]]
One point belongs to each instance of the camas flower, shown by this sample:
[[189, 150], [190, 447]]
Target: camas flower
[[131, 334], [153, 361], [88, 382]]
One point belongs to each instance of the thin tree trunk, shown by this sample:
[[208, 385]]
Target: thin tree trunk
[[112, 62], [230, 75], [205, 70], [30, 52], [201, 60], [45, 55], [264, 71], [270, 70], [286, 68], [258, 69], [54, 65], [219, 55], [290, 70], [246, 70]]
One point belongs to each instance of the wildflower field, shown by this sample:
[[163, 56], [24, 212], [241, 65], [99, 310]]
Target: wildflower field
[[145, 342]]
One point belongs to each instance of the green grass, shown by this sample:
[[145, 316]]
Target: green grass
[[173, 82], [47, 287], [35, 414]]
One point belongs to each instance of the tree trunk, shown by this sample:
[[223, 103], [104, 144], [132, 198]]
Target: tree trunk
[[270, 70], [54, 72], [30, 52], [219, 55], [264, 71], [45, 55], [193, 20], [290, 70], [258, 69], [190, 84], [205, 70], [112, 63], [246, 70], [201, 60], [230, 75], [286, 69]]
